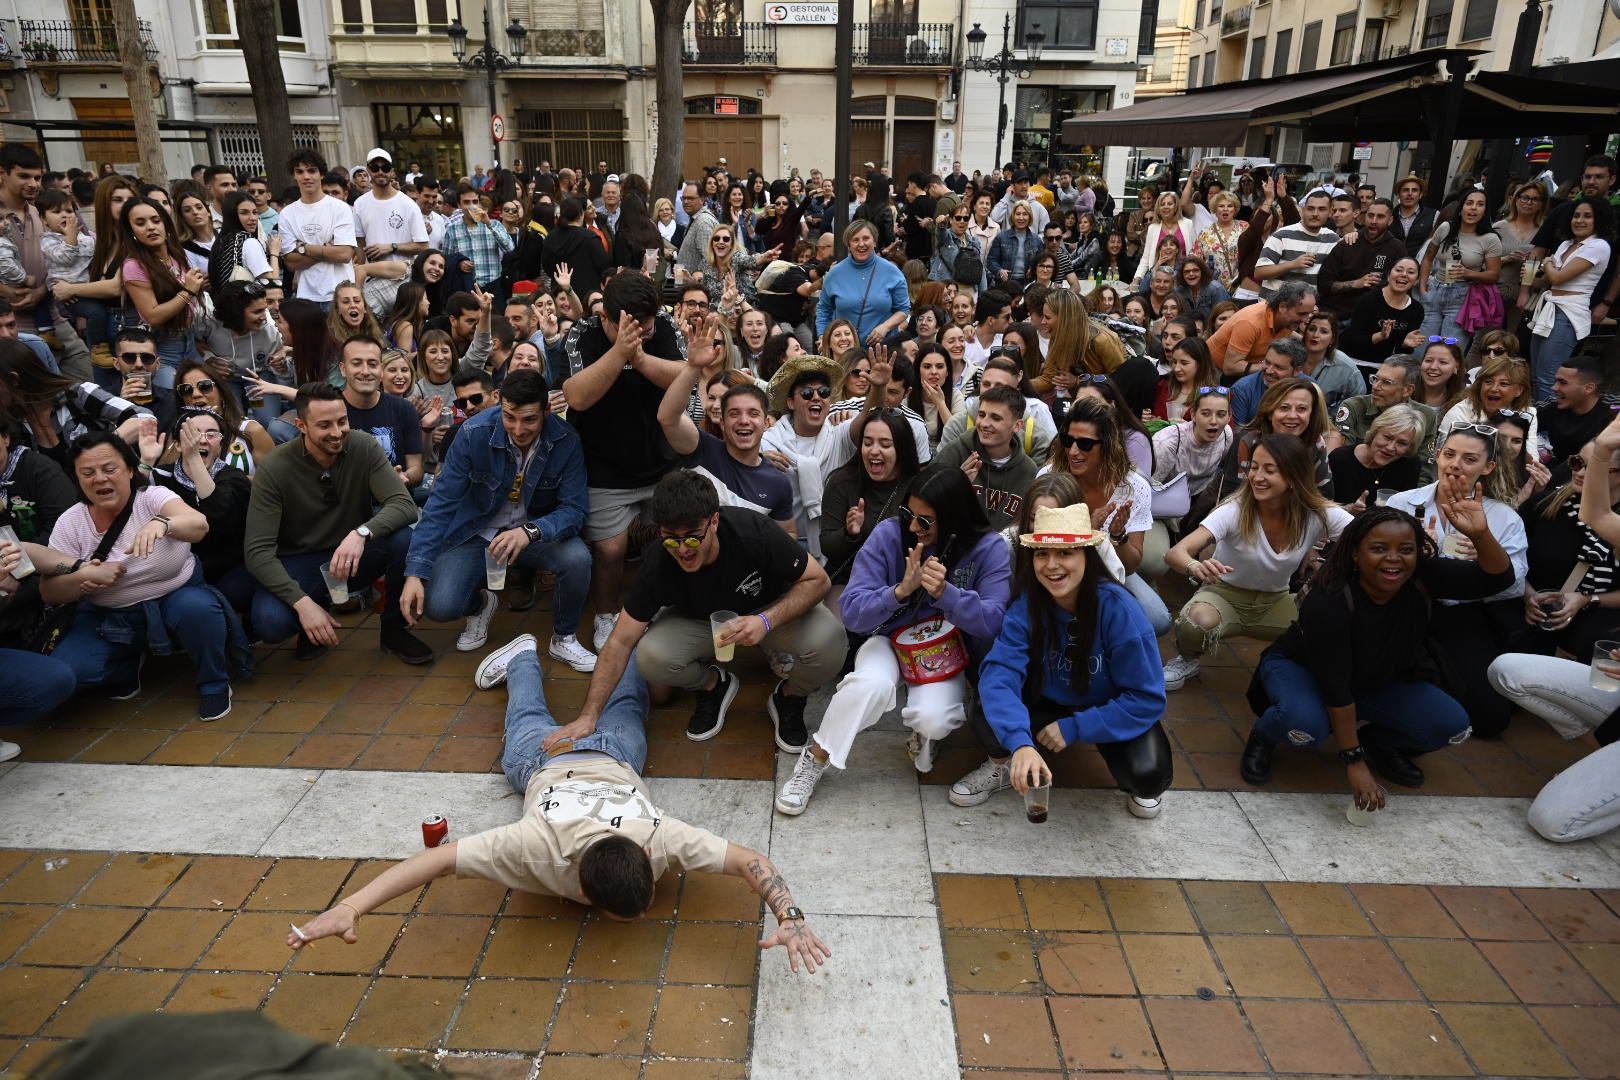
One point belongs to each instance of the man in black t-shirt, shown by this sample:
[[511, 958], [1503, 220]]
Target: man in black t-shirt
[[1576, 412], [917, 218], [389, 419], [708, 559], [619, 365]]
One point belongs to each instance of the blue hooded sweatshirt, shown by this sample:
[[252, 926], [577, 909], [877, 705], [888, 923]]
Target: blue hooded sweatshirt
[[974, 600]]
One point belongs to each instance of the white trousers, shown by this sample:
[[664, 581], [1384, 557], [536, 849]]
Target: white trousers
[[933, 710]]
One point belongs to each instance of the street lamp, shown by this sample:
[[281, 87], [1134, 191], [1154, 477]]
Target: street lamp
[[1004, 65], [490, 60]]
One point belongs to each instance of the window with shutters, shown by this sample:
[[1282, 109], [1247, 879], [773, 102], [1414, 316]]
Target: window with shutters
[[1479, 19], [1344, 39], [1285, 45], [241, 150], [1257, 58], [1192, 72], [1310, 46], [563, 27]]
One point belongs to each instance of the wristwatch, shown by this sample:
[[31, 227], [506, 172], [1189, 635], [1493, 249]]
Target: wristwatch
[[1353, 756], [788, 913], [300, 247], [532, 531], [363, 532]]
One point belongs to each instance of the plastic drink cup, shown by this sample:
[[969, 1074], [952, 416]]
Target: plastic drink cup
[[717, 625], [494, 572], [1605, 669], [337, 588], [26, 567], [143, 394], [1454, 272], [1355, 815], [1384, 495], [649, 261], [1037, 803]]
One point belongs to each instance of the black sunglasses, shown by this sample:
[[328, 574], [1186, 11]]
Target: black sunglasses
[[961, 217], [1085, 442], [139, 358], [907, 516], [201, 386], [470, 399], [809, 393]]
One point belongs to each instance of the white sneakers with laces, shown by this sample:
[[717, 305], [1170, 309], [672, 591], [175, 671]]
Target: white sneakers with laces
[[603, 629], [568, 649], [977, 786], [492, 671], [1178, 671], [476, 632], [795, 794]]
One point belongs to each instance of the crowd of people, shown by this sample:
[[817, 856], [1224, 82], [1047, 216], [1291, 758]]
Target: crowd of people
[[961, 468]]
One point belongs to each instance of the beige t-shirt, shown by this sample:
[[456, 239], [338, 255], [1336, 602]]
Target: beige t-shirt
[[568, 807]]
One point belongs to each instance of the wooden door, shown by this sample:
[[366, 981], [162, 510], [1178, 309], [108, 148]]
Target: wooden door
[[913, 147], [738, 139]]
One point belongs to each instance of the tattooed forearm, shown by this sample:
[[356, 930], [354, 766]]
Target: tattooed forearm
[[770, 885]]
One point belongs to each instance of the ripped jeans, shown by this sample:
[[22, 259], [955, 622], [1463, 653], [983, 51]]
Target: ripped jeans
[[1413, 717]]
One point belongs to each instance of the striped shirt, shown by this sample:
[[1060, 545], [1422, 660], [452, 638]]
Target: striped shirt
[[1289, 243], [86, 407]]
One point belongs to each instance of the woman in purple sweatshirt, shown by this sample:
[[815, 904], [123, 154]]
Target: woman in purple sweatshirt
[[939, 560]]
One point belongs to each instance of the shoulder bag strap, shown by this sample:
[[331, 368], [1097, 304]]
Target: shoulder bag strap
[[104, 548]]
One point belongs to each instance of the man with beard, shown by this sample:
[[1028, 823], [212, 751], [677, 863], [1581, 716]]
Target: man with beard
[[1361, 262], [733, 462]]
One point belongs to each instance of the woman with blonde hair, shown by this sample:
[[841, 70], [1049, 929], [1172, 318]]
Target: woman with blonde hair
[[1502, 383], [1386, 460], [1292, 406], [1012, 253], [839, 338], [1218, 244], [350, 317], [1085, 346], [1165, 223]]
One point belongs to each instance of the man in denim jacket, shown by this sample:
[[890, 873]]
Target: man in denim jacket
[[513, 487]]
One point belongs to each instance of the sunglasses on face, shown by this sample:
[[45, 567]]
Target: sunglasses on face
[[1084, 442], [379, 168], [1494, 350], [810, 393], [961, 217], [1577, 463], [201, 386], [923, 520], [470, 399], [140, 359], [674, 543]]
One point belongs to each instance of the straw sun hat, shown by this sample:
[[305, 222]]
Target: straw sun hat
[[1062, 527]]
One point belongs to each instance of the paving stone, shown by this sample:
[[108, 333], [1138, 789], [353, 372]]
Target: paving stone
[[1542, 973], [316, 1006], [254, 941], [1310, 908], [29, 995], [1490, 914], [1089, 964], [1166, 964], [1234, 907], [135, 880], [505, 1014], [714, 953], [1504, 1040], [703, 1021], [1405, 911], [1572, 914], [209, 991], [79, 936], [1588, 1037], [51, 877], [603, 1018], [301, 885], [1266, 967], [1203, 1035], [1404, 1040], [18, 923], [111, 993], [1103, 1033], [1065, 904], [169, 939], [993, 961], [215, 882], [621, 952], [439, 945], [1451, 971], [530, 948], [1304, 1037], [406, 1012], [1148, 906], [1005, 1030], [377, 934], [983, 903], [1359, 970]]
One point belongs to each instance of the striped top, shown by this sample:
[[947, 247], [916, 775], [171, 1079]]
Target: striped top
[[1289, 243]]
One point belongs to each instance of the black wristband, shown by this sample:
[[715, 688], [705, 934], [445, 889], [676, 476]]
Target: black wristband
[[1353, 756]]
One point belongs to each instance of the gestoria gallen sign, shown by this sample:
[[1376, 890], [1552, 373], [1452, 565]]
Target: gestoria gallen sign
[[801, 14]]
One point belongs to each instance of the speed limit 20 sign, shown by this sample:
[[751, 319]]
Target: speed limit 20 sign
[[497, 127]]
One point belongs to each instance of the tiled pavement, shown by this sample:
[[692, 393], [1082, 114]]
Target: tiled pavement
[[935, 973]]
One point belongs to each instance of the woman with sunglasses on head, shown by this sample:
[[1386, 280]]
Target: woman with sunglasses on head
[[195, 449], [1525, 473], [1331, 369], [1355, 666], [1138, 443], [1075, 662], [240, 341], [938, 565], [1387, 460], [1261, 535], [1218, 243], [1466, 459], [868, 489], [1091, 447], [246, 439], [1444, 375], [1501, 383]]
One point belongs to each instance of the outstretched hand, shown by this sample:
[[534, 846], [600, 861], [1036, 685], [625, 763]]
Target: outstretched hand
[[339, 921], [801, 943]]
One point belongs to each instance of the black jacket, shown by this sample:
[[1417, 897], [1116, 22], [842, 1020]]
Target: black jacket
[[584, 254]]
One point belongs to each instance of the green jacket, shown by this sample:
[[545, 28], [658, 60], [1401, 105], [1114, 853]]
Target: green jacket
[[1356, 414]]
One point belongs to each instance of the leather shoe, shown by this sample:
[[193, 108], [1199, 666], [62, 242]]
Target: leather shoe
[[1392, 764], [1256, 763], [406, 645], [307, 649]]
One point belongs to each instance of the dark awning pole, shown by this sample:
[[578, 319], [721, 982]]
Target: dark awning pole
[[1521, 63], [1444, 130]]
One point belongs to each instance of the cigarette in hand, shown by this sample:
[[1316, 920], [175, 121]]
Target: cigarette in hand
[[302, 937]]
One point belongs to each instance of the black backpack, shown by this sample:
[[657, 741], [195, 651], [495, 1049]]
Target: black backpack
[[969, 266]]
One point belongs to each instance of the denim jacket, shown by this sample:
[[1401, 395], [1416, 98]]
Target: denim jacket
[[479, 473]]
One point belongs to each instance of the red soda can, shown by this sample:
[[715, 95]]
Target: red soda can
[[434, 829]]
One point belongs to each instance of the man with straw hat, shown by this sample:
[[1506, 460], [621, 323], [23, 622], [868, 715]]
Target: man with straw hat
[[1413, 221], [1077, 634], [801, 443]]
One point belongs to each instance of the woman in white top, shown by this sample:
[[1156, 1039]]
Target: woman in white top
[[1502, 383], [1564, 318], [1261, 535], [1462, 252], [1167, 223], [1091, 448]]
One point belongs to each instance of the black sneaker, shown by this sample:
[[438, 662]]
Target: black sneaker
[[1255, 764], [709, 712], [787, 713], [309, 650], [406, 645], [131, 687], [519, 590]]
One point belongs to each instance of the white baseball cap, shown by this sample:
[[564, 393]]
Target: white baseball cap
[[379, 152]]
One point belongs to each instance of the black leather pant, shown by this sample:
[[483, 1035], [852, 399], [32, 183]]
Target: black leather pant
[[1140, 766]]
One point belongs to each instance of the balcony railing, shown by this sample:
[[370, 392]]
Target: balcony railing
[[60, 41], [1237, 22], [905, 44], [730, 43]]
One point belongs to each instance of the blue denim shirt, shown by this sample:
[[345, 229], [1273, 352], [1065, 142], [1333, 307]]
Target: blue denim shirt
[[479, 473]]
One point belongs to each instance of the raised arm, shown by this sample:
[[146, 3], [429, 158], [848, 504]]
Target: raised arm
[[342, 919], [681, 433]]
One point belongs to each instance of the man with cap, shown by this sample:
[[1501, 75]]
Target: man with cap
[[1018, 191], [801, 443], [389, 227]]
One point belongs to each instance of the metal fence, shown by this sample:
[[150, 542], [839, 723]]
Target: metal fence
[[730, 43], [905, 44], [62, 41]]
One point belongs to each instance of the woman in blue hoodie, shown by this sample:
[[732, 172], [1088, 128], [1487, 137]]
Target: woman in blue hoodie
[[1076, 661], [939, 560]]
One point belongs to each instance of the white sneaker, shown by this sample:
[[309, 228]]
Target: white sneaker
[[571, 652], [8, 750], [922, 752], [604, 629], [977, 786], [1143, 808], [476, 632], [801, 785], [492, 672], [1178, 671]]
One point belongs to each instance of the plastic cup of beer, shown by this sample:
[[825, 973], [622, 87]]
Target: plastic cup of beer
[[1605, 668], [1454, 272], [26, 567], [1355, 815], [494, 571], [1037, 802], [336, 587], [717, 625], [1384, 495]]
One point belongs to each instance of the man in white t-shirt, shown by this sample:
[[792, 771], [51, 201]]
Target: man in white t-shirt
[[802, 443], [388, 222], [993, 314], [317, 232], [427, 200]]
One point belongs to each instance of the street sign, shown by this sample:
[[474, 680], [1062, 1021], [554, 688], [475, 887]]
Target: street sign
[[801, 14], [1361, 152], [497, 127], [726, 106]]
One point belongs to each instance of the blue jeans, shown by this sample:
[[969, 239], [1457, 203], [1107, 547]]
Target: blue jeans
[[1153, 607], [1415, 717], [174, 348], [35, 685], [621, 733], [192, 615], [458, 577], [1441, 306], [274, 621], [1548, 354]]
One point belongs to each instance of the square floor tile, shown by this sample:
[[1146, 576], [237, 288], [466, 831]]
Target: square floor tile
[[169, 939], [982, 903], [1504, 1040], [464, 896], [316, 1006], [703, 1021], [406, 1012], [29, 995], [215, 882], [135, 880], [259, 750], [376, 936], [398, 753], [1311, 908], [1490, 914], [565, 1067], [505, 1014], [990, 961], [1359, 970], [1542, 973], [1266, 967], [327, 752], [111, 993], [603, 1018], [1572, 914], [621, 952], [207, 991], [1451, 971], [1234, 907], [255, 941], [51, 877], [1089, 964], [301, 885], [693, 1070], [1100, 1033], [1405, 911], [292, 716], [714, 953], [717, 897], [1171, 964], [1005, 1030], [439, 945], [79, 936], [1602, 962], [193, 748], [1149, 906], [1065, 904], [1589, 1038], [1203, 1036], [531, 948], [18, 923], [1405, 1040], [1304, 1037], [366, 873]]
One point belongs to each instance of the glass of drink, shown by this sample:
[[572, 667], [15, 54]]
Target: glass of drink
[[1037, 801], [1551, 604], [26, 567], [649, 261], [141, 392], [1605, 667], [255, 396], [1454, 272], [494, 571], [717, 625], [1384, 495], [337, 588]]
